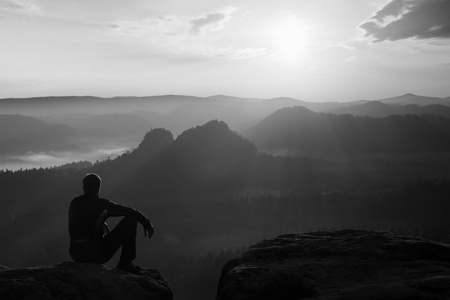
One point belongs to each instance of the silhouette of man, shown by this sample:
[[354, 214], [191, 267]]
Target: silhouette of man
[[90, 238]]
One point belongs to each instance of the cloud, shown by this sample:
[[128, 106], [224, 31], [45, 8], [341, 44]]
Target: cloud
[[9, 7], [403, 19], [212, 21], [175, 25], [342, 45], [154, 27], [177, 34], [228, 52]]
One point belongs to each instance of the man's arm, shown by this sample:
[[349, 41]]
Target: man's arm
[[117, 210]]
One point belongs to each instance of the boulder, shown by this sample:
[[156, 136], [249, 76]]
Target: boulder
[[345, 264], [73, 281]]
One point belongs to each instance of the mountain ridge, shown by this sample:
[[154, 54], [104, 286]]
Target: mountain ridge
[[405, 98], [326, 134], [379, 109], [21, 134], [210, 155], [410, 98]]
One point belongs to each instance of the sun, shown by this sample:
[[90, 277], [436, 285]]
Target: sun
[[289, 38]]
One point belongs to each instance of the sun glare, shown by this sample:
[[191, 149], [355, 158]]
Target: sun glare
[[289, 39]]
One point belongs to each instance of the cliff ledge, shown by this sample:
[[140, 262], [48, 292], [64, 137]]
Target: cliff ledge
[[73, 281], [345, 264]]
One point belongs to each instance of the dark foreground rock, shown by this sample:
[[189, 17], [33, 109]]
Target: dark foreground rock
[[74, 281], [346, 264]]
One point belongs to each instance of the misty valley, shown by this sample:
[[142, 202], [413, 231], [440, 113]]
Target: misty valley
[[217, 174]]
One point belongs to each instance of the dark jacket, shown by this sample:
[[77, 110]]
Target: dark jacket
[[87, 227]]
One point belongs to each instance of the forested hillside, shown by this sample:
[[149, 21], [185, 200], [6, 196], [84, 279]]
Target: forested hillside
[[327, 135], [209, 193]]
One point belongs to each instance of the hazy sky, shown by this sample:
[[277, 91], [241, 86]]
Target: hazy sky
[[315, 50]]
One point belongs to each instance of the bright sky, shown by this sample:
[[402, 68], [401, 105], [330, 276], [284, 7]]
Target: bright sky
[[313, 50]]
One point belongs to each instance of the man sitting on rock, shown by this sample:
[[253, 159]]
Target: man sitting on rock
[[90, 238]]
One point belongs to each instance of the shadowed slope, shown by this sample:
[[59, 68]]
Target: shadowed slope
[[210, 156], [320, 134]]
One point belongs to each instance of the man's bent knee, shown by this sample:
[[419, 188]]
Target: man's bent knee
[[130, 223]]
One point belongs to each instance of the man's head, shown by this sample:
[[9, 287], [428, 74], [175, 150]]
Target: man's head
[[91, 184]]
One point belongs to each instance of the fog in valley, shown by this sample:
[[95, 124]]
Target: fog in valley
[[91, 129]]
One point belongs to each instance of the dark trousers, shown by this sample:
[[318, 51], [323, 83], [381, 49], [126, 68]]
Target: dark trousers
[[101, 251], [123, 235]]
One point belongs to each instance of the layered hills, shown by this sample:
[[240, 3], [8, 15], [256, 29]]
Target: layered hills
[[306, 133], [19, 135], [379, 109], [410, 98], [100, 127], [209, 189], [203, 158], [178, 112]]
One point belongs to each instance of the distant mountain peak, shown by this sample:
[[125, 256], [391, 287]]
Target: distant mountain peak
[[283, 100], [156, 138], [212, 125], [296, 110], [227, 98], [214, 136], [410, 98], [223, 97], [211, 128], [375, 102], [414, 96], [201, 158]]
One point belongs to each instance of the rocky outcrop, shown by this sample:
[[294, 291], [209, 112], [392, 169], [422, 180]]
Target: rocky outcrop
[[346, 264], [73, 281]]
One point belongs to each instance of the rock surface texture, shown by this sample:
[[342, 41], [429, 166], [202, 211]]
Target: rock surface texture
[[345, 264], [81, 281]]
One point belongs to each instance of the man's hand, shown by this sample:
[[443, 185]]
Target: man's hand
[[148, 229]]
